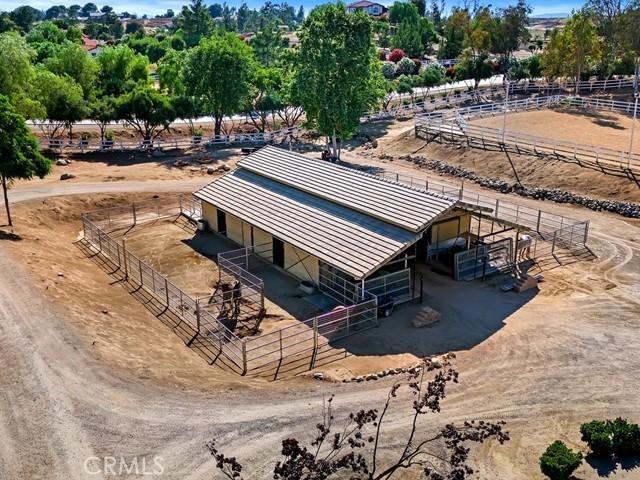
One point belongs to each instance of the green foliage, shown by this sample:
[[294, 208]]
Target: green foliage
[[195, 22], [61, 97], [412, 31], [338, 76], [20, 156], [432, 76], [406, 66], [16, 71], [73, 61], [388, 70], [219, 71], [148, 111], [559, 462], [474, 68], [625, 437], [454, 33], [267, 44], [121, 70], [597, 435]]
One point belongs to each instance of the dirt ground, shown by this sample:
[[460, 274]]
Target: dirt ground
[[398, 140], [583, 127], [77, 382]]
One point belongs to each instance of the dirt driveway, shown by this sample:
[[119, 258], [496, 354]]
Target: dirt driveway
[[570, 355]]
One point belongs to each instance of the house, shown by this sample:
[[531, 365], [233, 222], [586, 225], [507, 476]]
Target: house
[[331, 225], [370, 8]]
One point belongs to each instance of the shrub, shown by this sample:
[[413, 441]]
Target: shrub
[[597, 435], [389, 70], [625, 437], [396, 55], [109, 135], [406, 66], [404, 84], [559, 462]]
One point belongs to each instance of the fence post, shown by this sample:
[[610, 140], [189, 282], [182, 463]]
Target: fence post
[[140, 268], [180, 200], [538, 224], [496, 209], [315, 342], [124, 251], [586, 232], [166, 290], [133, 209], [244, 354], [100, 241]]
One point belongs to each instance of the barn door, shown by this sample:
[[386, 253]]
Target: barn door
[[222, 222], [278, 252]]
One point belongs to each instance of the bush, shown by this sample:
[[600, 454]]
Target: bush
[[389, 70], [559, 462], [597, 435], [625, 437], [396, 55], [406, 66]]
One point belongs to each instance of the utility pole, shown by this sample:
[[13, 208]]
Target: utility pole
[[636, 94], [504, 115]]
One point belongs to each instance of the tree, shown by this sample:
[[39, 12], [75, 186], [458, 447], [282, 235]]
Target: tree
[[478, 36], [473, 67], [572, 49], [338, 73], [25, 16], [106, 9], [62, 100], [148, 111], [103, 111], [267, 82], [421, 5], [54, 12], [267, 44], [215, 10], [121, 70], [195, 22], [88, 8], [512, 28], [558, 462], [219, 71], [454, 31], [20, 156], [354, 449], [16, 70], [74, 62]]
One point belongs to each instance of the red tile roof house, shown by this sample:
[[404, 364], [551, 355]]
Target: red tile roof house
[[371, 8]]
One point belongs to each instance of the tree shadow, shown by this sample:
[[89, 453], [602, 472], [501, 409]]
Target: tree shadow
[[604, 467], [10, 236]]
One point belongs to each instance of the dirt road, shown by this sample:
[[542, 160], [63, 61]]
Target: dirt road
[[569, 356]]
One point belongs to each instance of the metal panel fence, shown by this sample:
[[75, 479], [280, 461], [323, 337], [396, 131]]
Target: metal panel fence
[[539, 221], [260, 354]]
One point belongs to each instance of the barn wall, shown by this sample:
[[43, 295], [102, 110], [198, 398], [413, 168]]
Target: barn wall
[[448, 228], [262, 240], [300, 264], [209, 213], [234, 228]]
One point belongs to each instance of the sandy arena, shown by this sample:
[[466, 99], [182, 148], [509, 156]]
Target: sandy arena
[[89, 371]]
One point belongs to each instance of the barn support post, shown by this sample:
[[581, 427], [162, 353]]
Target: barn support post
[[315, 343]]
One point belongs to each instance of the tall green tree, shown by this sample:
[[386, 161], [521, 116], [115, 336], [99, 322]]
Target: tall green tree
[[73, 61], [121, 69], [16, 70], [338, 75], [511, 28], [219, 71], [195, 22], [453, 34], [20, 156], [267, 44], [148, 111]]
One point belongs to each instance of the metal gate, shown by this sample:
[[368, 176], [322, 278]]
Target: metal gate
[[483, 260]]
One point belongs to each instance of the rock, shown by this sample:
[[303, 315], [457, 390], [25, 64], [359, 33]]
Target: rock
[[211, 171], [61, 162], [105, 311], [427, 316], [224, 168], [60, 274], [371, 376], [359, 379], [436, 362], [318, 376], [158, 153], [67, 176]]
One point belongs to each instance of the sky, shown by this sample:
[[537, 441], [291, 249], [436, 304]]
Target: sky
[[155, 7]]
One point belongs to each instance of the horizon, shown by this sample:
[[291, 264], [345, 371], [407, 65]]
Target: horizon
[[157, 7]]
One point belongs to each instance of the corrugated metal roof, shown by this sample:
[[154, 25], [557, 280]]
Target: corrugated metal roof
[[389, 201], [352, 241]]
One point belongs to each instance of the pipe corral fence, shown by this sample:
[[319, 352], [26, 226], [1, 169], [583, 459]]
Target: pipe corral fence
[[292, 349], [454, 127]]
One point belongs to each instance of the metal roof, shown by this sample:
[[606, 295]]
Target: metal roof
[[397, 204], [354, 242]]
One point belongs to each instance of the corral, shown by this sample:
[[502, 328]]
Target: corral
[[305, 252], [588, 131]]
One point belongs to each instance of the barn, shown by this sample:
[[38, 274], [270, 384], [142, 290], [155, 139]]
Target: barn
[[331, 226]]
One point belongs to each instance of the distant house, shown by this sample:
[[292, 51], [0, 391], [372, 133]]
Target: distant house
[[370, 8]]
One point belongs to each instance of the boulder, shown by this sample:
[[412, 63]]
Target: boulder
[[318, 376], [62, 162], [427, 316], [67, 176], [211, 171]]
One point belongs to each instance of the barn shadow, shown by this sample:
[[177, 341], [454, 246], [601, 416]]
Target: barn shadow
[[470, 312]]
